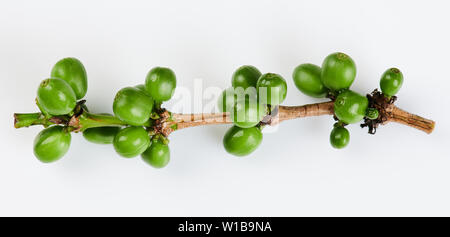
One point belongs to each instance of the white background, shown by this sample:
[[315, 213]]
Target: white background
[[398, 172]]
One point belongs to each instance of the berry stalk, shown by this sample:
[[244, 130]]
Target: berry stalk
[[28, 119], [76, 123]]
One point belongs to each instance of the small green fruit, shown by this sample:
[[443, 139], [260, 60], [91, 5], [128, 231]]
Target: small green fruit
[[51, 144], [131, 141], [101, 135], [307, 79], [72, 71], [372, 113], [157, 155], [391, 81], [133, 106], [339, 137], [242, 141], [56, 97], [350, 107], [160, 83], [245, 76], [247, 112], [273, 88], [338, 71]]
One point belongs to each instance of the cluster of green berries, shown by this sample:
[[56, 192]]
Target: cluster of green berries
[[248, 101], [252, 96], [58, 95], [135, 106], [334, 79]]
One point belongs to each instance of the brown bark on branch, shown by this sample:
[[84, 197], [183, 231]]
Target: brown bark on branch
[[293, 112], [398, 115], [394, 114], [180, 121], [172, 122]]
